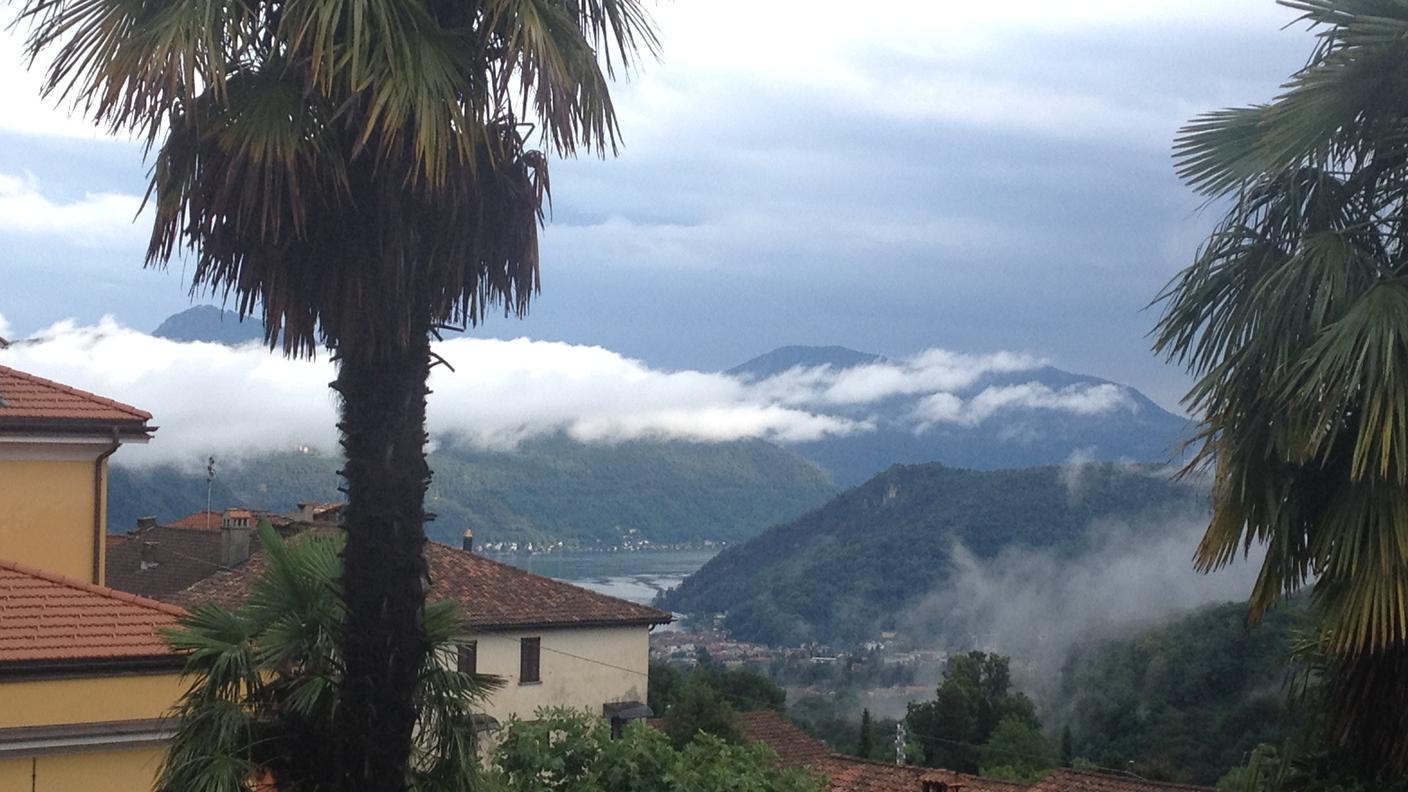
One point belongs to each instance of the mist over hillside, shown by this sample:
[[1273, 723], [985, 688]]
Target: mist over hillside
[[1028, 562]]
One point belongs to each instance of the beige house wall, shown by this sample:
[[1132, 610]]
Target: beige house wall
[[582, 668]]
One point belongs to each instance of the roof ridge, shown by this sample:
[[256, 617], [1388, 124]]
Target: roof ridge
[[92, 588], [516, 570], [1126, 777], [135, 412]]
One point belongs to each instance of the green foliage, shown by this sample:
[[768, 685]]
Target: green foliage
[[744, 689], [1184, 701], [974, 698], [265, 684], [849, 569], [700, 709], [1294, 319], [545, 490], [865, 743], [564, 750], [1016, 751]]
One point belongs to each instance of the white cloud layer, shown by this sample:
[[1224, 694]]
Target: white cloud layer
[[211, 398], [93, 219]]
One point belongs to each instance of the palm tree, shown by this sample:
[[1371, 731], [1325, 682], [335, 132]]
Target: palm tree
[[1294, 318], [357, 174], [259, 713]]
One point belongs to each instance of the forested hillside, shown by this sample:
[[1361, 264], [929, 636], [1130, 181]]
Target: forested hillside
[[848, 570], [545, 490], [1185, 701]]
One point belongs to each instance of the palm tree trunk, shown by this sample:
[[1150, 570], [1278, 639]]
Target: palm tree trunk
[[383, 390]]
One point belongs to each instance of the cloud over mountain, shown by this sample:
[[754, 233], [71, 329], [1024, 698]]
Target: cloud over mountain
[[232, 399]]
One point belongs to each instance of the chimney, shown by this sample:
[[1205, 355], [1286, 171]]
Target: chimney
[[145, 523], [147, 559], [234, 543], [468, 541]]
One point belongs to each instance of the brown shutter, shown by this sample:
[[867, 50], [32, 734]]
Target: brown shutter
[[469, 658], [529, 660]]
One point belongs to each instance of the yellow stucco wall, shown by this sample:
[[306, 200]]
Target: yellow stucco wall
[[582, 668], [46, 515], [126, 770], [47, 702]]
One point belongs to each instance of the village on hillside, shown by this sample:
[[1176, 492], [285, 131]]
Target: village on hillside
[[90, 681]]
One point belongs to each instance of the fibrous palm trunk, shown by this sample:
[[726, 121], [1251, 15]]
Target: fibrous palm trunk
[[383, 391]]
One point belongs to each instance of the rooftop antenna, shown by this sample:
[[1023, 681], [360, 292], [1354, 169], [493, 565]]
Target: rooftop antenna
[[209, 485]]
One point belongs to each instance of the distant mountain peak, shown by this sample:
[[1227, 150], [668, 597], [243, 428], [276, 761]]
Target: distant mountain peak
[[790, 357], [209, 323]]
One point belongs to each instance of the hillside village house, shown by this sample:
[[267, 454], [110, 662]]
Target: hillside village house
[[84, 675], [85, 678], [553, 643]]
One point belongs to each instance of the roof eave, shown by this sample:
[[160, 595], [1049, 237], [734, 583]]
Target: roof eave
[[67, 667], [650, 621]]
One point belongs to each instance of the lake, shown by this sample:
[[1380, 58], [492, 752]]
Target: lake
[[634, 576]]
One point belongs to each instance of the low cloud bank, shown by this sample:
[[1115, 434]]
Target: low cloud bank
[[210, 398], [1037, 607]]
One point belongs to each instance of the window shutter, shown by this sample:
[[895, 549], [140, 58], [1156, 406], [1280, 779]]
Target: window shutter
[[529, 660]]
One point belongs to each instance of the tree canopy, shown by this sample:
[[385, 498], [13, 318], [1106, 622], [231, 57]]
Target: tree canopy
[[1294, 319]]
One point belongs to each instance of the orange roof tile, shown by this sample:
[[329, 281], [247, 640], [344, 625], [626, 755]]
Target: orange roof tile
[[1067, 780], [27, 401], [794, 747], [493, 595], [201, 520], [48, 617]]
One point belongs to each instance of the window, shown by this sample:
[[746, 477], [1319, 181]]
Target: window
[[530, 661], [469, 658]]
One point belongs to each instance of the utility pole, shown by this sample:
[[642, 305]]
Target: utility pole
[[900, 743], [209, 485]]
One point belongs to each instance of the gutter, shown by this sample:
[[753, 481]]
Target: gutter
[[98, 538], [27, 741]]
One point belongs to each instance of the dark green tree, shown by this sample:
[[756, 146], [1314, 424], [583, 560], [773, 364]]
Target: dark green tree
[[865, 745], [699, 709], [974, 697], [357, 175], [664, 682], [1294, 319], [1017, 751], [1068, 751]]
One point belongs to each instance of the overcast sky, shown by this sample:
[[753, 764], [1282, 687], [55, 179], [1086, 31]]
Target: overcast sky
[[891, 176]]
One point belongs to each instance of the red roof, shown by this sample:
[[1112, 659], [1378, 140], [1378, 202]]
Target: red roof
[[796, 748], [30, 402], [47, 617], [1067, 780], [494, 596], [200, 521]]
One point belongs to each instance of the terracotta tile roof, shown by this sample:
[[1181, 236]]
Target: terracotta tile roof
[[794, 747], [1067, 780], [494, 596], [48, 617], [199, 521], [178, 559], [31, 402]]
